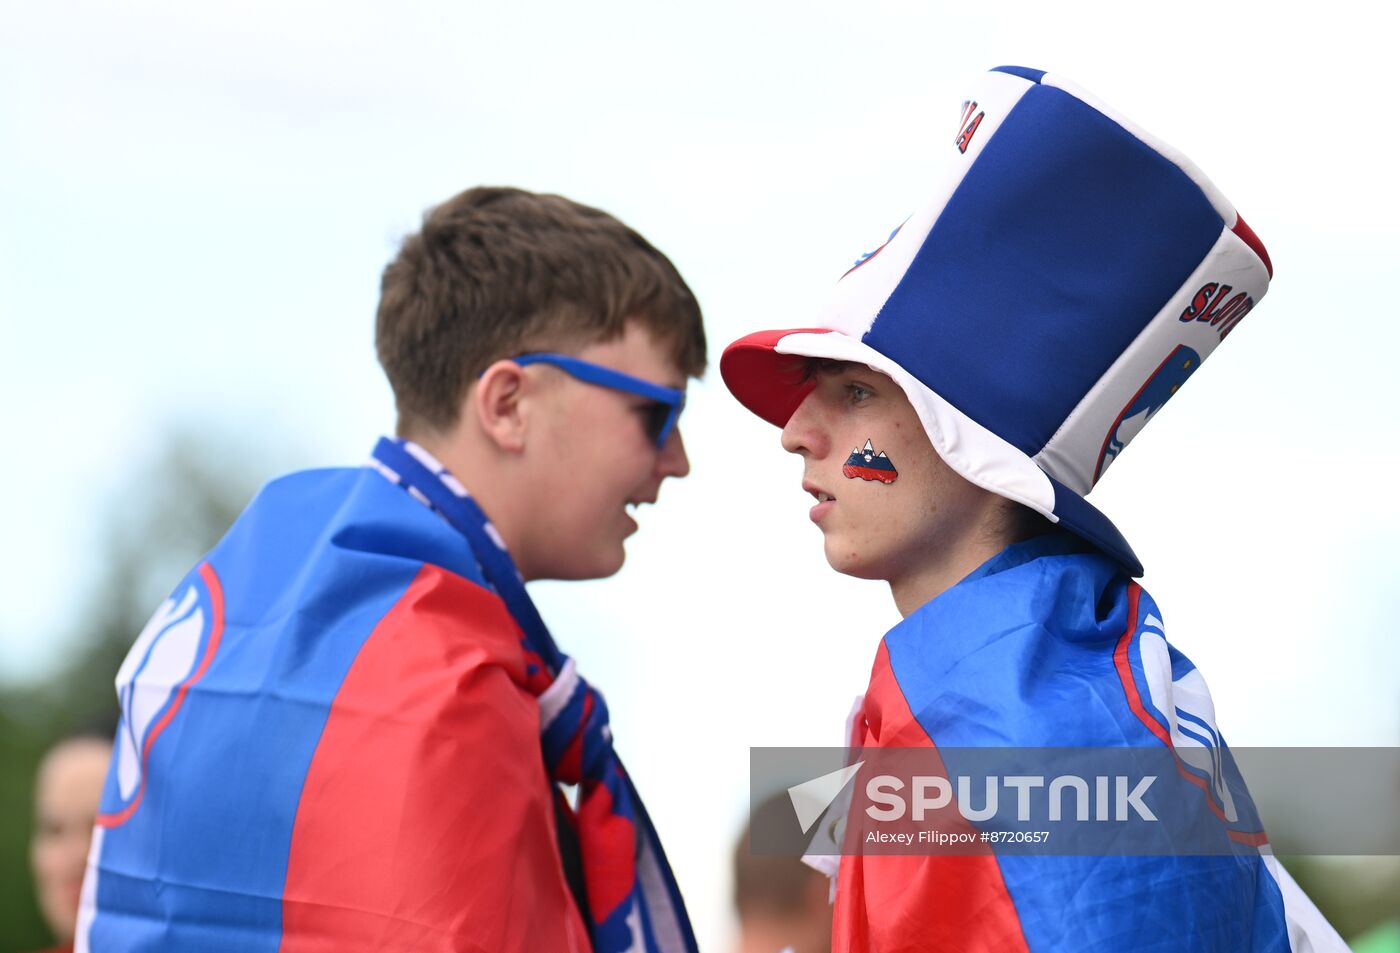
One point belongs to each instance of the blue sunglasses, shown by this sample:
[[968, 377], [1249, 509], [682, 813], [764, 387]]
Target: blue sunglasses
[[661, 414]]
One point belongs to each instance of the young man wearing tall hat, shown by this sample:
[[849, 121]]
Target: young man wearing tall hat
[[348, 727], [970, 382]]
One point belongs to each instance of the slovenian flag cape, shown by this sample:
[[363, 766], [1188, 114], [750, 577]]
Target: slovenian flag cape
[[1049, 644], [329, 743]]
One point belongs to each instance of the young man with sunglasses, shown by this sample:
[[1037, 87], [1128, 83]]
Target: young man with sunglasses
[[969, 383], [348, 727]]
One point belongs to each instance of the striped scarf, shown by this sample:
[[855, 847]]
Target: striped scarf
[[633, 902]]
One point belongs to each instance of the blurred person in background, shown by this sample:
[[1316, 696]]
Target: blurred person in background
[[783, 905], [67, 791], [348, 727]]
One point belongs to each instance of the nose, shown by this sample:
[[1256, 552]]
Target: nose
[[672, 461], [804, 433]]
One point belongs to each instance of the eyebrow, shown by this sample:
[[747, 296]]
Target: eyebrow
[[810, 367]]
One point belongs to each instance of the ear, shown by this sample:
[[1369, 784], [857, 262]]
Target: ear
[[500, 403]]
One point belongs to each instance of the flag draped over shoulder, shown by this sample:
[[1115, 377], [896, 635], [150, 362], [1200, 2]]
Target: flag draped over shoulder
[[331, 740], [1049, 645]]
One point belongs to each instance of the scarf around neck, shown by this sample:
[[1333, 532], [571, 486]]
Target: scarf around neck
[[633, 902]]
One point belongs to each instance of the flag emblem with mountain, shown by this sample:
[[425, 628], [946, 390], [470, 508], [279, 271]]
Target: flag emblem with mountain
[[868, 465]]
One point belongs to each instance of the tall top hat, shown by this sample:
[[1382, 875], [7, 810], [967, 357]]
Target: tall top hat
[[1069, 273]]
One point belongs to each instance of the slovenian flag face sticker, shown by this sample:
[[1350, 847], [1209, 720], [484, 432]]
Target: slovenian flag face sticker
[[868, 465]]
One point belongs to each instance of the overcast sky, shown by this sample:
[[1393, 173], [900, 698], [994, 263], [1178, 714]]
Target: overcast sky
[[196, 201]]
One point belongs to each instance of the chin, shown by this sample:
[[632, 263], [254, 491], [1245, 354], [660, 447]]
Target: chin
[[840, 558], [599, 564], [608, 567], [61, 918], [843, 560]]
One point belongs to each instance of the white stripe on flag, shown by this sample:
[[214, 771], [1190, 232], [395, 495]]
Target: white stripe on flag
[[556, 696], [384, 471], [424, 457], [87, 897], [1308, 930], [665, 925]]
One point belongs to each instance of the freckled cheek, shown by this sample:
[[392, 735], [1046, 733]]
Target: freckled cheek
[[870, 522]]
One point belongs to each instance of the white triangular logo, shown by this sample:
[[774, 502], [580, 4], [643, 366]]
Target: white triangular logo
[[868, 447], [811, 798]]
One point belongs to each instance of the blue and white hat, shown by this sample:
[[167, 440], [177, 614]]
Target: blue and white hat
[[1068, 274]]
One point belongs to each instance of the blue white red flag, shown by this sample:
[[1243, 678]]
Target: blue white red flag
[[1049, 645], [331, 740]]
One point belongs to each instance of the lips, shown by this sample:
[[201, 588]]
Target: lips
[[825, 501]]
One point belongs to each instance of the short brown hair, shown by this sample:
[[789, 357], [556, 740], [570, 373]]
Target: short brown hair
[[496, 272]]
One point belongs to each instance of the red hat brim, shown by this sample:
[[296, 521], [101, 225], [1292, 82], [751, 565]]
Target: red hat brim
[[769, 383]]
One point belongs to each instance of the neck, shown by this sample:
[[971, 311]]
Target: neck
[[935, 577], [492, 482]]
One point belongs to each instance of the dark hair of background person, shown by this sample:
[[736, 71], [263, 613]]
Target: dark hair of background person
[[496, 272]]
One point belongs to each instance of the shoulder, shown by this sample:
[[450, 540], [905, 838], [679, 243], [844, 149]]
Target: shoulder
[[1163, 689], [340, 566], [345, 519], [1060, 652]]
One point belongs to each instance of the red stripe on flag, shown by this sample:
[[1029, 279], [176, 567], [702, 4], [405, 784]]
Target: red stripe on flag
[[426, 821], [1125, 675], [609, 843], [1125, 671], [851, 472], [907, 902]]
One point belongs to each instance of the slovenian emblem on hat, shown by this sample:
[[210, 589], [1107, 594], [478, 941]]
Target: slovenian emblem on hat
[[1069, 273]]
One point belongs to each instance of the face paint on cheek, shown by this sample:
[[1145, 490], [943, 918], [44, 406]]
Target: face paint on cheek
[[868, 465]]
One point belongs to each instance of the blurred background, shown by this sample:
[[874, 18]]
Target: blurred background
[[196, 201]]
